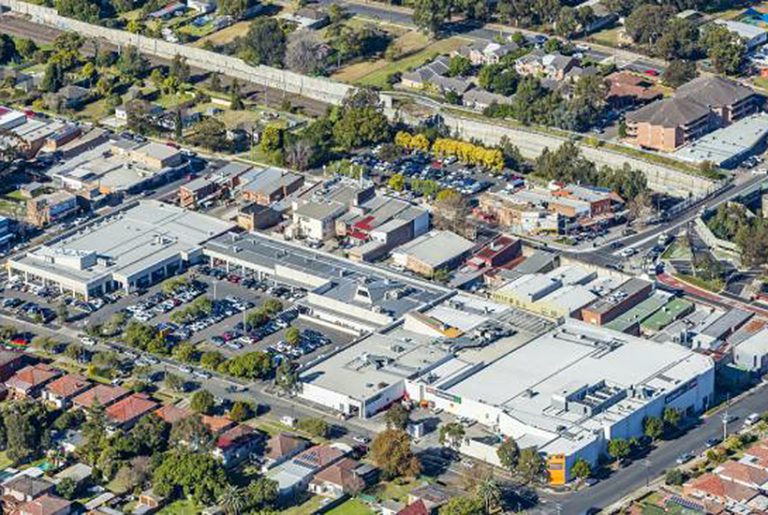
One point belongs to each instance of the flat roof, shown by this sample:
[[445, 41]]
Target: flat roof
[[326, 275], [617, 296], [571, 356], [638, 313], [728, 143], [667, 314], [377, 361], [436, 248], [126, 242], [730, 321], [570, 297]]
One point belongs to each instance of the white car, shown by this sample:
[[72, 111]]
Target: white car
[[87, 340]]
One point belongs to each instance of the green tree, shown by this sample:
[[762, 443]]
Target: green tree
[[672, 417], [151, 434], [240, 411], [646, 23], [252, 365], [53, 78], [678, 72], [235, 8], [679, 40], [391, 451], [489, 491], [8, 52], [26, 48], [264, 43], [210, 133], [179, 68], [232, 500], [429, 15], [530, 465], [397, 417], [194, 475], [202, 402], [192, 432], [581, 469], [287, 378], [67, 488], [185, 352], [451, 435], [619, 448], [725, 49], [509, 454], [293, 336], [174, 382], [235, 97], [653, 427], [84, 10], [26, 429], [397, 182], [463, 505], [459, 66], [261, 494], [314, 426], [271, 138], [361, 120], [131, 64], [674, 477]]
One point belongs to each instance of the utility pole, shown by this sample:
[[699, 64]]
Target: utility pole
[[725, 417]]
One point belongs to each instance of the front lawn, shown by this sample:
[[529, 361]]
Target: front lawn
[[351, 507], [185, 507]]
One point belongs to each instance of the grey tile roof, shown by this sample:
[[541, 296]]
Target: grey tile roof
[[669, 112], [714, 91]]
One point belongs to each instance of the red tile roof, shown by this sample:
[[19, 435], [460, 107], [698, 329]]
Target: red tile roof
[[68, 385], [105, 394], [417, 508], [216, 424], [44, 505], [743, 473], [130, 408], [341, 473], [235, 436], [172, 414], [318, 456], [283, 444], [758, 454], [32, 376], [713, 485]]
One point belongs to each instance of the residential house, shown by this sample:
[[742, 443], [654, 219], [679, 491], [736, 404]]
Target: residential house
[[743, 474], [416, 508], [202, 6], [149, 502], [24, 488], [422, 77], [10, 362], [433, 496], [282, 447], [310, 17], [73, 97], [480, 99], [711, 487], [554, 66], [629, 89], [61, 391], [30, 380], [46, 505], [294, 476], [126, 412], [168, 11], [728, 100], [217, 424], [345, 477], [485, 52], [101, 394], [170, 413], [752, 35], [80, 473], [236, 444]]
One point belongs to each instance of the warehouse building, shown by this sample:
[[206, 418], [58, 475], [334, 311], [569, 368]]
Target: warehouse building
[[130, 249], [568, 388], [433, 251]]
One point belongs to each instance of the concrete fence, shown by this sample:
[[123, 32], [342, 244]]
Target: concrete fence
[[728, 248], [316, 88]]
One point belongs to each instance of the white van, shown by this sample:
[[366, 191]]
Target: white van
[[752, 419]]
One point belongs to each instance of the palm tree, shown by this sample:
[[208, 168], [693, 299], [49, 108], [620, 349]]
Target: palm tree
[[489, 491], [232, 500]]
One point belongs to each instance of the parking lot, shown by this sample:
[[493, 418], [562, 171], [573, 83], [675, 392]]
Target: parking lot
[[215, 309]]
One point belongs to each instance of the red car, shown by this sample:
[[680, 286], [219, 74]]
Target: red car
[[652, 73]]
